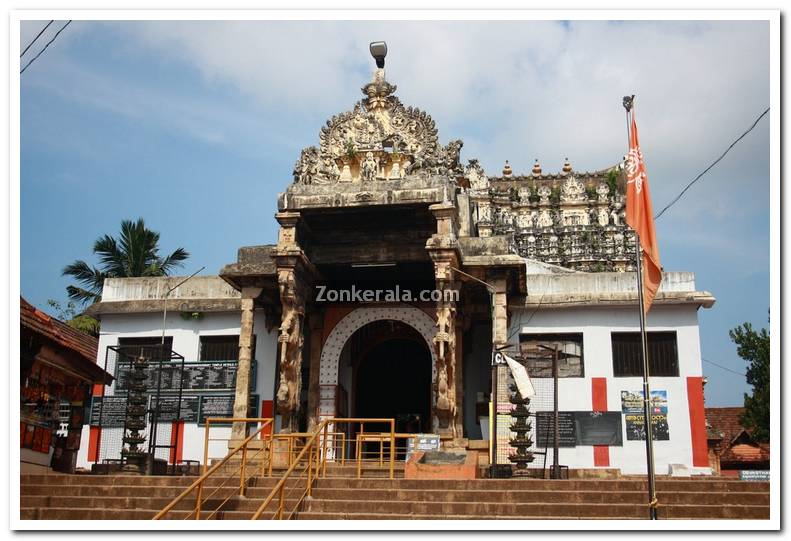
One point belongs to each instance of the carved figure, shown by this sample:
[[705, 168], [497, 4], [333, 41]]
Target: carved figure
[[543, 193], [395, 171], [291, 341], [476, 176], [544, 219], [572, 190], [369, 167]]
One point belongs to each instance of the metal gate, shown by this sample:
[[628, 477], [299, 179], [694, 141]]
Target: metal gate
[[140, 413]]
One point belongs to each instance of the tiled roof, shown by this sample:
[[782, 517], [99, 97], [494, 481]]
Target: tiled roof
[[737, 444], [726, 422], [54, 329]]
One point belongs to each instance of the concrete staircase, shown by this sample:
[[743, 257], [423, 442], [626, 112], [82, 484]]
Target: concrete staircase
[[339, 496]]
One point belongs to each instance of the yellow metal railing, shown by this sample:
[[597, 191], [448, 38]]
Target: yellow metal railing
[[312, 451], [264, 451], [315, 454]]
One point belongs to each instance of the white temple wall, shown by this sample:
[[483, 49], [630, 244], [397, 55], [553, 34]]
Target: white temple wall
[[186, 341], [576, 394]]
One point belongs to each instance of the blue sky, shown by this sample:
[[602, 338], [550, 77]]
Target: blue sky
[[195, 126]]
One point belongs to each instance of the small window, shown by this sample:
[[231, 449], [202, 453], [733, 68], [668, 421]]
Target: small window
[[221, 348], [662, 354], [147, 346], [538, 350]]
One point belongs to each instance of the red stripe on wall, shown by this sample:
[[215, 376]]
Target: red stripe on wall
[[94, 437], [599, 394], [176, 439], [697, 422], [601, 453]]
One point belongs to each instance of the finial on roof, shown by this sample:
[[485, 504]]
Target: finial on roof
[[507, 171], [567, 166], [536, 168]]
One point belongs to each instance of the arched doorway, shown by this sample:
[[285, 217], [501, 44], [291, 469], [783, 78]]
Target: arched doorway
[[393, 380], [352, 339]]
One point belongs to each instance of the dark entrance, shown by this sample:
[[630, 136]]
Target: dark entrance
[[393, 379]]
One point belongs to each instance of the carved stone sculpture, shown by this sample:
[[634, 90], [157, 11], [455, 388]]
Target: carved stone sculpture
[[290, 339], [369, 168], [380, 125]]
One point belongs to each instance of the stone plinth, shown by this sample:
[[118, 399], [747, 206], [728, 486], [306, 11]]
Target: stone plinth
[[465, 467]]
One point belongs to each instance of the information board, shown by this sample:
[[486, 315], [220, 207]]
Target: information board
[[423, 442], [599, 428], [197, 376], [169, 409], [632, 409], [112, 408], [545, 427], [754, 475], [221, 405]]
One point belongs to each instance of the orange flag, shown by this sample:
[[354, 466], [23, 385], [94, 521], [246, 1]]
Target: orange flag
[[640, 217]]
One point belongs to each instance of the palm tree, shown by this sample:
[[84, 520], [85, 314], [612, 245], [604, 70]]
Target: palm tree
[[134, 253]]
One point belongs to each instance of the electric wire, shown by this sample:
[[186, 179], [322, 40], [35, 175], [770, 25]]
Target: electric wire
[[724, 367], [715, 162], [36, 38], [62, 28]]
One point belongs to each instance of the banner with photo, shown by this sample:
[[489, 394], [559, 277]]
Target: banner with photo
[[632, 409]]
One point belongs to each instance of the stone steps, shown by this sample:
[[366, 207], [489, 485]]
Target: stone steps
[[84, 497]]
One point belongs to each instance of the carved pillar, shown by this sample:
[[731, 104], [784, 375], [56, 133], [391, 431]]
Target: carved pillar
[[316, 322], [242, 399], [442, 248], [294, 275], [290, 340]]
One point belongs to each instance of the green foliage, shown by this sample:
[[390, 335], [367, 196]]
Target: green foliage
[[513, 194], [134, 253], [534, 197], [69, 315], [590, 191], [753, 347], [555, 196], [612, 182], [351, 150]]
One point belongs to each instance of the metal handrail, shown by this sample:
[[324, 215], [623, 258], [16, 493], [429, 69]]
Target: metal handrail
[[310, 448], [208, 473]]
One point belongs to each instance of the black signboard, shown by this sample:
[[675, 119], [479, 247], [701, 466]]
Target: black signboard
[[112, 408], [199, 376], [545, 427], [221, 405], [599, 428], [169, 409]]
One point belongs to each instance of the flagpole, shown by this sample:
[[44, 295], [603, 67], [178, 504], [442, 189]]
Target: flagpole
[[628, 103]]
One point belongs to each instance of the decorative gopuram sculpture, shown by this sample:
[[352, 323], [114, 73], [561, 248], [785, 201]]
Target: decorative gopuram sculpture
[[573, 218]]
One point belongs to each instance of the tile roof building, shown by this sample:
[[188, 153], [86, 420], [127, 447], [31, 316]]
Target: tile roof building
[[731, 445]]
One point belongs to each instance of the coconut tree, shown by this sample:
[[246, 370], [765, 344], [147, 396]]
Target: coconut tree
[[134, 253]]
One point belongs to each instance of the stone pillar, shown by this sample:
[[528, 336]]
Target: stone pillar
[[242, 400], [290, 339], [316, 322], [294, 274], [442, 247], [500, 318]]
